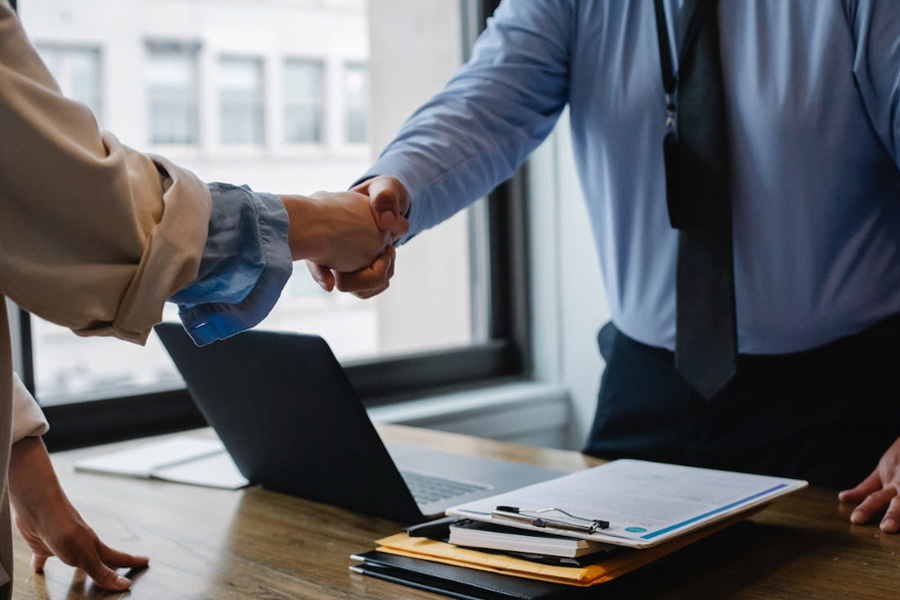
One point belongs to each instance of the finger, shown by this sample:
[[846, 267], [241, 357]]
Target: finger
[[38, 561], [401, 228], [869, 485], [891, 521], [103, 576], [390, 253], [322, 275], [372, 278], [390, 274], [873, 504], [371, 293], [117, 559], [365, 295]]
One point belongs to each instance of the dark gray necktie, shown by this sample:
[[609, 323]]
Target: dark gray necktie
[[700, 206]]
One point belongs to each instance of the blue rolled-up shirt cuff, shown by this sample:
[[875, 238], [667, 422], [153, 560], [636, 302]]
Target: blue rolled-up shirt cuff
[[245, 265]]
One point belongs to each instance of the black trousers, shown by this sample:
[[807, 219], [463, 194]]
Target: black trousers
[[826, 415]]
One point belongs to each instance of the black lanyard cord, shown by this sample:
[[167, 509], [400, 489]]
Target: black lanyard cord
[[669, 79], [665, 50]]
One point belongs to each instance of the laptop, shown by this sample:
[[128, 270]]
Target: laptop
[[287, 414]]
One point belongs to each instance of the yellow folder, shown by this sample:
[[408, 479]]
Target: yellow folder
[[620, 563]]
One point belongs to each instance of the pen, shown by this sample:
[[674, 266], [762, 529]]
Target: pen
[[515, 513]]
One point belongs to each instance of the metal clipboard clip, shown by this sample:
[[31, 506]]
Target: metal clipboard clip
[[515, 513]]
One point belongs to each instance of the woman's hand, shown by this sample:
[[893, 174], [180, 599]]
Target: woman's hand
[[337, 231], [50, 524]]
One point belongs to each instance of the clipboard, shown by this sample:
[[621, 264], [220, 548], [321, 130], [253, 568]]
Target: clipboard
[[642, 504]]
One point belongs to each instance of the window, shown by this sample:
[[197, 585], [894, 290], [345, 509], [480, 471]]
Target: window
[[444, 320], [240, 84], [77, 70], [170, 73], [304, 101], [356, 102]]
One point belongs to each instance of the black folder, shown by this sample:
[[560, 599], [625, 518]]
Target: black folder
[[457, 582], [473, 584]]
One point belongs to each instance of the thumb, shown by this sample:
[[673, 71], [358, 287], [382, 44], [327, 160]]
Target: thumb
[[389, 201]]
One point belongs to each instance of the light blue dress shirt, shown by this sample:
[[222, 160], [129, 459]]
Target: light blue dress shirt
[[245, 265], [813, 102]]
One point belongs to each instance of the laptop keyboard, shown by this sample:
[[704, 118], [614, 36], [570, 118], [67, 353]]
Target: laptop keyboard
[[427, 489]]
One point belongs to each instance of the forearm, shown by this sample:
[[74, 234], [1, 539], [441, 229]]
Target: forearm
[[492, 114], [33, 485], [308, 227]]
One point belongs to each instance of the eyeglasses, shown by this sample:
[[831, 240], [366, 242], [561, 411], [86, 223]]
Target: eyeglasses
[[515, 513]]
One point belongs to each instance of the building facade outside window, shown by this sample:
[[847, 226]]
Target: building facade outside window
[[356, 103], [77, 70], [303, 87], [290, 78], [240, 84], [170, 73]]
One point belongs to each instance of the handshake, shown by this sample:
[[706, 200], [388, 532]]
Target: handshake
[[347, 238]]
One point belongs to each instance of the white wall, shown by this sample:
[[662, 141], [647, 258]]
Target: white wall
[[568, 300]]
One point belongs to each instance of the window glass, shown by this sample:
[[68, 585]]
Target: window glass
[[77, 70], [240, 83], [52, 57], [287, 96], [304, 99], [84, 76], [356, 99], [170, 73]]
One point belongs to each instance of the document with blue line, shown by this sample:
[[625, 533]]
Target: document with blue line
[[631, 503]]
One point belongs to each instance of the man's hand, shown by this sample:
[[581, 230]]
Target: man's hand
[[389, 201], [389, 204], [878, 491], [52, 527], [337, 231]]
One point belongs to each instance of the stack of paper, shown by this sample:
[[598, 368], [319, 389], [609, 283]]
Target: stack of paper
[[489, 536], [647, 510], [184, 459], [605, 570]]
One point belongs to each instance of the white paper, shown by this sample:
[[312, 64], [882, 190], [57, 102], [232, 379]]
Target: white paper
[[217, 470], [645, 503], [141, 461], [184, 459]]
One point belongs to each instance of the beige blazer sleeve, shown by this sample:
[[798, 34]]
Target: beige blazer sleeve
[[28, 420], [94, 236]]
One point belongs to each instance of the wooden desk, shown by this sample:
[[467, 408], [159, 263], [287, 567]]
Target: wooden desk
[[220, 545]]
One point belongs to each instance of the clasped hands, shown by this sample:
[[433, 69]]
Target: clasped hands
[[347, 238]]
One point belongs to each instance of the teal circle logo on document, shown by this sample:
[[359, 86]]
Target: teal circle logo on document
[[635, 529]]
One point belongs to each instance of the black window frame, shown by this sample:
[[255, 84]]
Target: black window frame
[[506, 356]]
